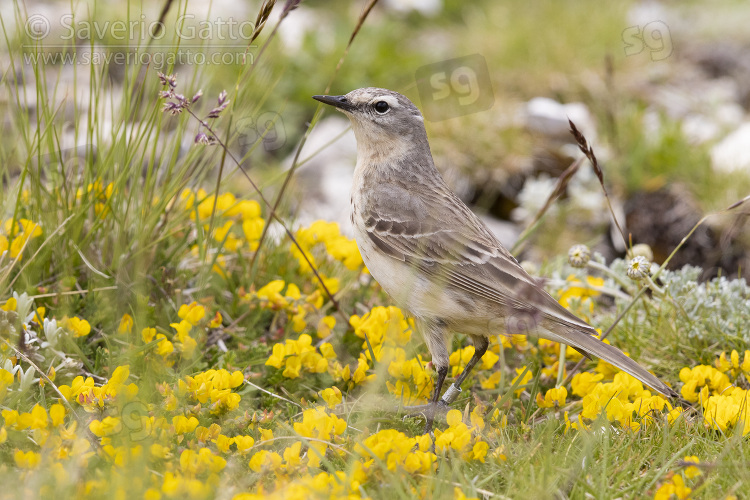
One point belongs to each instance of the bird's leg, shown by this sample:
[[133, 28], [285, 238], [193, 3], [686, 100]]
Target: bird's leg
[[434, 333], [435, 406], [480, 347], [435, 401]]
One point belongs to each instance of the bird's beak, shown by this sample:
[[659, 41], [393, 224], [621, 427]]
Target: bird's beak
[[337, 101]]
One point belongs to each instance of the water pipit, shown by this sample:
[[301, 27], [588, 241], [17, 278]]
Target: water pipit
[[436, 258]]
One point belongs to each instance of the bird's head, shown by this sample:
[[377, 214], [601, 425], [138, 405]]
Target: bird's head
[[382, 120]]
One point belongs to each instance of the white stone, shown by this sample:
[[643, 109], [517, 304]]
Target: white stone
[[733, 152]]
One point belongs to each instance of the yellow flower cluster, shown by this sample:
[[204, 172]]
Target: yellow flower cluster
[[396, 451], [238, 222], [213, 388], [333, 486], [388, 331], [459, 358], [578, 295], [724, 405], [733, 365], [296, 305], [339, 247], [188, 332], [294, 355], [458, 437], [624, 400], [322, 429], [91, 397], [553, 398], [14, 237]]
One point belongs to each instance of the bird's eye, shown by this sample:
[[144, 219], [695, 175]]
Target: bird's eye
[[381, 107]]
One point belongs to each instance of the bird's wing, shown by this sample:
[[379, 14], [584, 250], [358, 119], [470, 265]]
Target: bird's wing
[[435, 232]]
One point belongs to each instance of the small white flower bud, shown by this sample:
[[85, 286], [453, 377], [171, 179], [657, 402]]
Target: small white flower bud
[[638, 268], [579, 255]]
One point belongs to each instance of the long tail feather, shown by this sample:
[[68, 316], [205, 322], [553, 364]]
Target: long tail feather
[[589, 344]]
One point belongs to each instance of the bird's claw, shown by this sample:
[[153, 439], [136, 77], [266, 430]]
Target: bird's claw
[[429, 412]]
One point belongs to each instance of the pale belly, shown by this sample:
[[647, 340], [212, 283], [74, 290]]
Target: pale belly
[[414, 292]]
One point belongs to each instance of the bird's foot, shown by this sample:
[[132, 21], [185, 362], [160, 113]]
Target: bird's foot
[[429, 412]]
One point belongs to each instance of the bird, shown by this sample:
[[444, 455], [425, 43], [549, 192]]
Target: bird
[[436, 259]]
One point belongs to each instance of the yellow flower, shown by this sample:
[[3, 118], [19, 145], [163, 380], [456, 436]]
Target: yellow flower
[[298, 320], [193, 462], [183, 425], [216, 321], [6, 379], [264, 460], [57, 414], [332, 284], [159, 451], [326, 349], [182, 329], [396, 450], [584, 382], [188, 346], [492, 381], [37, 419], [165, 347], [522, 382], [292, 292], [223, 443], [702, 376], [272, 293], [79, 327], [553, 398], [265, 434], [148, 334], [106, 427], [293, 365], [332, 396], [488, 360], [277, 357], [126, 324], [577, 290], [244, 443], [28, 460], [10, 417], [192, 313], [253, 229], [479, 451], [325, 326], [292, 455], [247, 209], [457, 436]]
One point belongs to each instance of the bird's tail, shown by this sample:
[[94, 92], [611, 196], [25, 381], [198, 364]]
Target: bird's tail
[[589, 344]]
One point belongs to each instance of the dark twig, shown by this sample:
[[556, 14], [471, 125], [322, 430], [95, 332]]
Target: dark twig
[[588, 150], [162, 17]]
